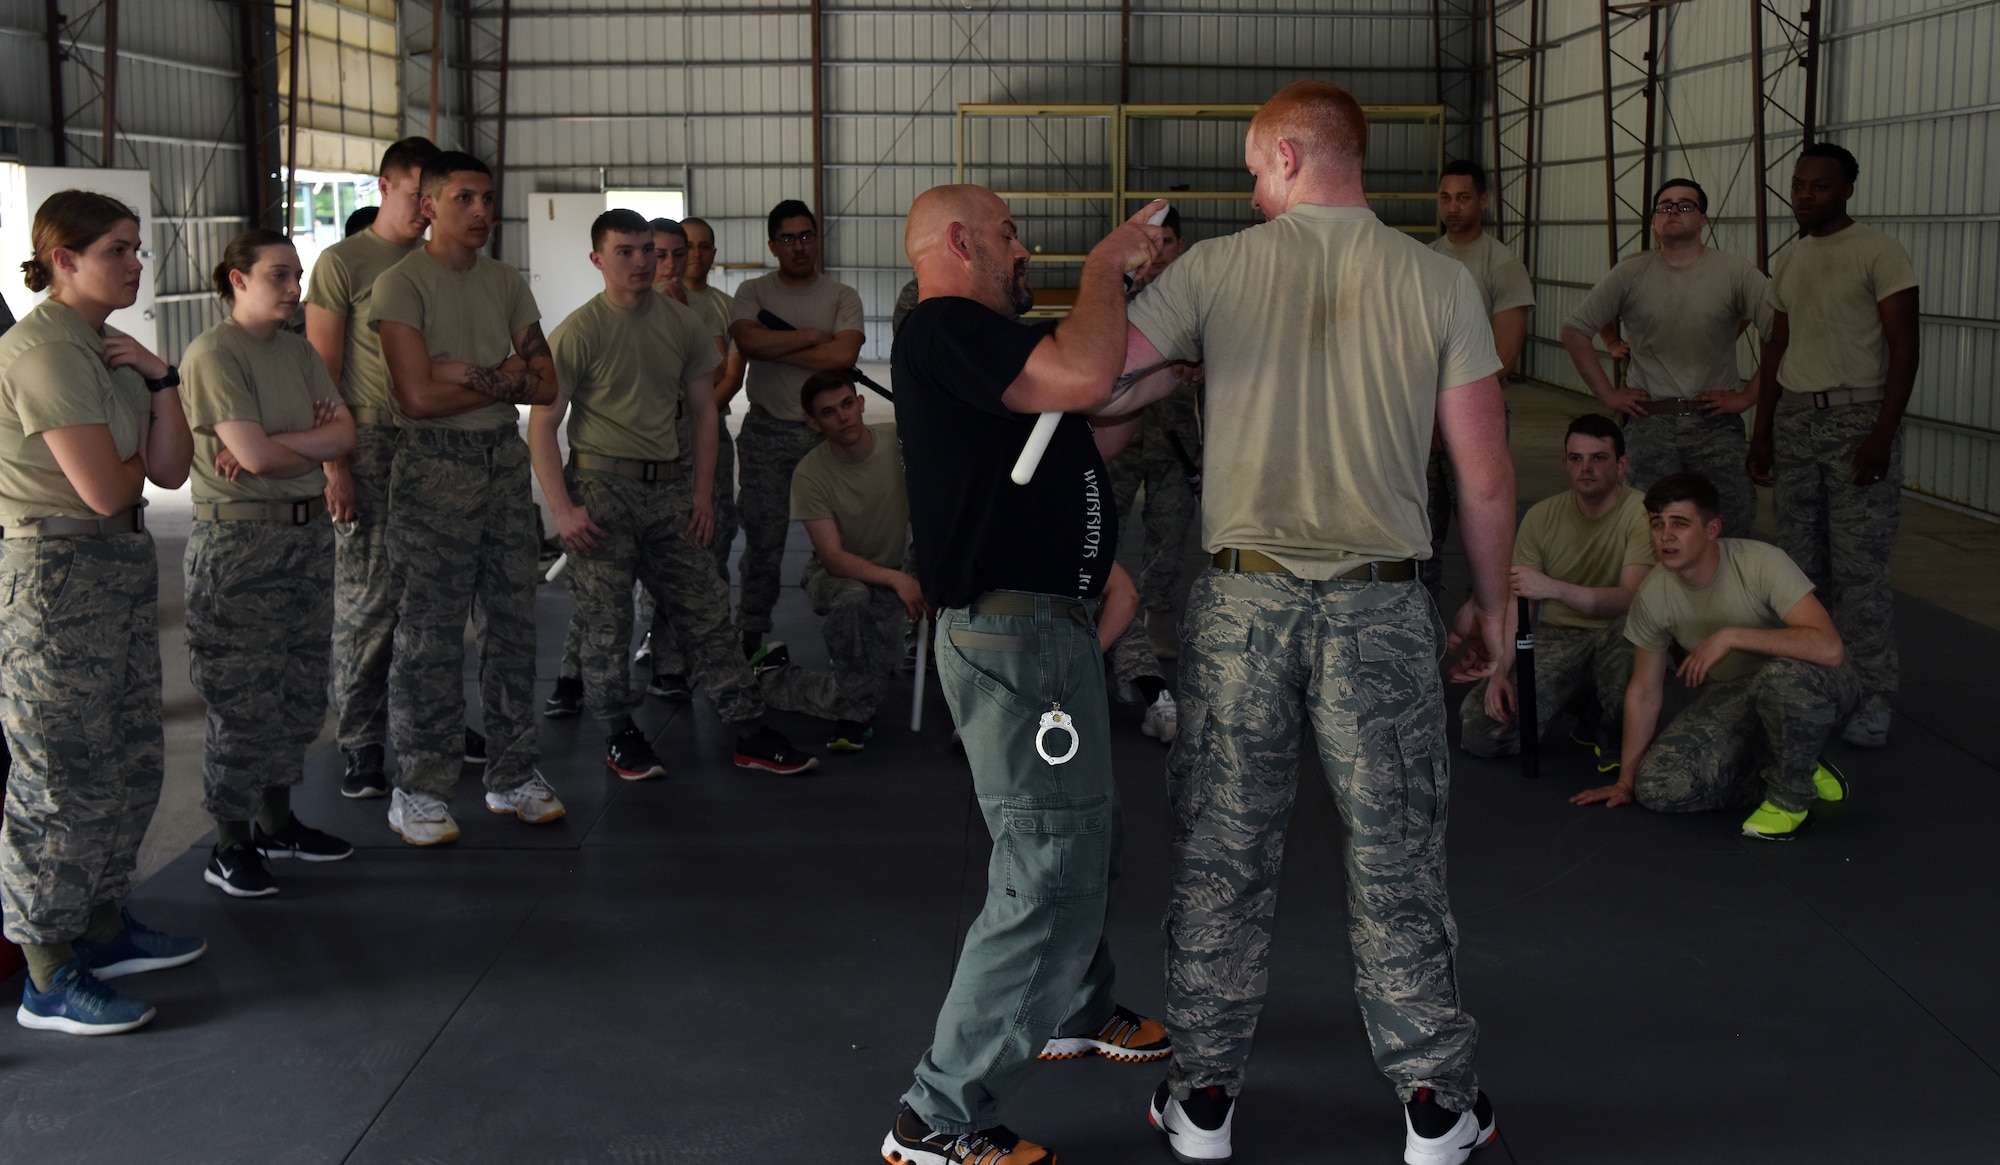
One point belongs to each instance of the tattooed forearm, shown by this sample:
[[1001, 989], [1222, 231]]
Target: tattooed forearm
[[531, 343], [515, 389]]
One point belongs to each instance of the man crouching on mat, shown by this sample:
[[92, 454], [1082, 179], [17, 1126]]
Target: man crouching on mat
[[1014, 572]]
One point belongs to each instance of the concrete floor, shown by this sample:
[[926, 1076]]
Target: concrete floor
[[1943, 556]]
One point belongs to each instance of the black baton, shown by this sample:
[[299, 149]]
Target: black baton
[[777, 323], [1187, 463], [1525, 718]]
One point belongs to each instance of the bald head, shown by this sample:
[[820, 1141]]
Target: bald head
[[960, 240], [1322, 122]]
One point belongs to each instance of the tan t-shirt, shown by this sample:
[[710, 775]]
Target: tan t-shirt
[[865, 498], [1828, 289], [717, 307], [228, 374], [52, 376], [1501, 277], [624, 371], [469, 315], [343, 282], [1327, 337], [773, 385], [1682, 322], [1556, 539], [1755, 586]]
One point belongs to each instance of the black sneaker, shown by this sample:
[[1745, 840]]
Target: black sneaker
[[1435, 1135], [768, 749], [301, 841], [566, 700], [239, 872], [912, 1142], [628, 755], [364, 777], [770, 657], [670, 686], [1197, 1128], [475, 748], [849, 736]]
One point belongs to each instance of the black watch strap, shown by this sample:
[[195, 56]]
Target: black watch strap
[[171, 380]]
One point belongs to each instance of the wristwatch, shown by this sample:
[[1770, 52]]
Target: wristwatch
[[171, 380]]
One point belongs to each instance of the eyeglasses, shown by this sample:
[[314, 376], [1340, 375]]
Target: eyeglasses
[[1684, 206], [798, 240]]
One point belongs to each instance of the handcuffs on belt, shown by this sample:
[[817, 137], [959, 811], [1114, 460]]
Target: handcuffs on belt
[[1053, 719]]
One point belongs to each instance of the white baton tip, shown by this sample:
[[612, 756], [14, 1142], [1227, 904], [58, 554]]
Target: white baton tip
[[1038, 444], [1159, 216], [555, 569]]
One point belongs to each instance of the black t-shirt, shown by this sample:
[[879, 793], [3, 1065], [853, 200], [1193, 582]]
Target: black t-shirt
[[975, 530]]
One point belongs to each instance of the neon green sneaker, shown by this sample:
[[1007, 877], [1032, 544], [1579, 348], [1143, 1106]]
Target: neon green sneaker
[[1829, 781], [1770, 823]]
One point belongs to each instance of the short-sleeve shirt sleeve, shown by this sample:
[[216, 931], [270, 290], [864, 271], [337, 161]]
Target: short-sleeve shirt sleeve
[[1511, 286], [396, 300], [1168, 311], [849, 317], [331, 286], [1530, 539], [1468, 353], [569, 347], [809, 498], [1638, 538], [1754, 300], [697, 340], [1890, 270], [1777, 579], [1645, 624], [216, 387], [1604, 303], [975, 353], [748, 304], [53, 364], [522, 309]]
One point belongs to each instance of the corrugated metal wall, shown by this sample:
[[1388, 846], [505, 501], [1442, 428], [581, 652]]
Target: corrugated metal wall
[[1907, 85]]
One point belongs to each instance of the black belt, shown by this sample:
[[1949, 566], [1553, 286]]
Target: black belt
[[131, 520], [1024, 605]]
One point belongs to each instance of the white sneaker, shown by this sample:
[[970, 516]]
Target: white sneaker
[[1475, 1129], [1190, 1141], [1163, 719], [421, 818], [533, 802]]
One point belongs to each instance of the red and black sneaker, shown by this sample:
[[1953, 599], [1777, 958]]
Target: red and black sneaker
[[912, 1142], [767, 749], [630, 757]]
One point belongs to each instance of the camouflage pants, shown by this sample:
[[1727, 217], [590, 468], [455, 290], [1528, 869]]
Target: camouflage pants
[[1691, 443], [863, 629], [463, 539], [1567, 660], [1132, 654], [769, 451], [259, 606], [1443, 486], [1747, 740], [1264, 657], [1840, 533], [80, 673], [668, 659], [364, 596], [1035, 962], [1171, 506], [642, 523]]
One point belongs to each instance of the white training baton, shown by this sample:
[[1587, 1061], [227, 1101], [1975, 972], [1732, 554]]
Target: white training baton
[[556, 568], [1045, 425], [917, 690]]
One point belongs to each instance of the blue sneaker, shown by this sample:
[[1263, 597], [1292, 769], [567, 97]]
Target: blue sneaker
[[137, 948], [79, 1003]]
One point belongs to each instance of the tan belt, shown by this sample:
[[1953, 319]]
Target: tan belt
[[629, 467], [1023, 605], [1834, 398], [297, 513], [126, 521], [380, 418], [1251, 562]]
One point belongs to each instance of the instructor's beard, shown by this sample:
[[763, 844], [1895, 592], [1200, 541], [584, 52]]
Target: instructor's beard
[[1010, 279]]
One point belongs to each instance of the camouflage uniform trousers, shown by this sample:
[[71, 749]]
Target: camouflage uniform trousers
[[668, 659], [1443, 486], [1749, 739], [1691, 443], [80, 669], [259, 609], [1035, 962], [643, 541], [1840, 533], [864, 627], [1132, 656], [463, 539], [1567, 659], [1266, 656], [1171, 504], [769, 450], [364, 596]]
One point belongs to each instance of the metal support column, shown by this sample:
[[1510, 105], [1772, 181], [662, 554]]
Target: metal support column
[[58, 112], [1455, 59], [108, 92], [485, 45], [1517, 113], [1620, 27], [818, 74], [257, 31], [292, 115], [1786, 108]]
